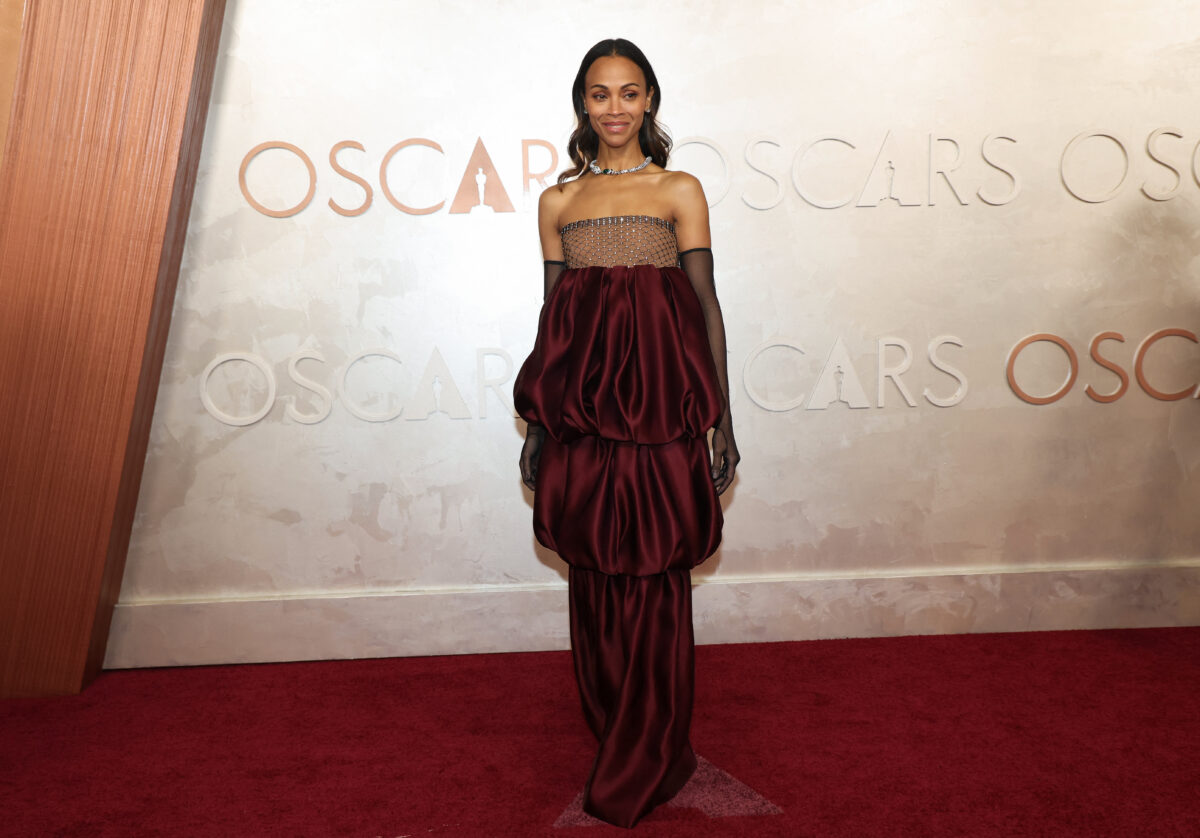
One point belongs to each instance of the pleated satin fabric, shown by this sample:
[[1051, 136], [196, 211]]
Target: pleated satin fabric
[[622, 378], [632, 644]]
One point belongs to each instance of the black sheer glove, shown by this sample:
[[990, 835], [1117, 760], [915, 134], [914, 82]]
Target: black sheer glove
[[552, 268], [697, 263], [531, 451]]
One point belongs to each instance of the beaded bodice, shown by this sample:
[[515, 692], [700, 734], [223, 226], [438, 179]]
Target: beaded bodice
[[620, 240]]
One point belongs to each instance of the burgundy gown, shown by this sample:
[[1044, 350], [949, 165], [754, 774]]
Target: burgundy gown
[[622, 378]]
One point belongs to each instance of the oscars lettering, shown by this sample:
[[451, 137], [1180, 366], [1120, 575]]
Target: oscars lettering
[[829, 172]]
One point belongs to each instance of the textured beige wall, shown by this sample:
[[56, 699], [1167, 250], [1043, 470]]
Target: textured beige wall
[[11, 13], [888, 179]]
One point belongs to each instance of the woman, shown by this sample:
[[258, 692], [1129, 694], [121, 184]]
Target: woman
[[625, 380]]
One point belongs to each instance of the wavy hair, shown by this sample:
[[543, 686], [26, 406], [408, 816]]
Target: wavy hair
[[585, 143]]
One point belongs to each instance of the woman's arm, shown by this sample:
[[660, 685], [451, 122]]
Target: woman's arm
[[549, 208], [549, 205], [694, 241]]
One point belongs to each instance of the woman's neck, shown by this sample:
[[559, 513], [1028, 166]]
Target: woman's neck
[[617, 159]]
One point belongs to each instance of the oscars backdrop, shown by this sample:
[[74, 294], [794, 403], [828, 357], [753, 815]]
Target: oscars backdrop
[[956, 248]]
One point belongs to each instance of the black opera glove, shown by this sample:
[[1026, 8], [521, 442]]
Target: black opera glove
[[531, 451], [551, 269], [697, 263]]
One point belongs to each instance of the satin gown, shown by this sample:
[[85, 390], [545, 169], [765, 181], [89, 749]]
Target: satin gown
[[623, 380]]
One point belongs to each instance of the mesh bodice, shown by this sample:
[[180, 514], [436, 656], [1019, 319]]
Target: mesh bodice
[[620, 240]]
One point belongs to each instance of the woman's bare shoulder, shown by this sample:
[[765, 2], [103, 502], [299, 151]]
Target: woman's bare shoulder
[[690, 210], [683, 188], [555, 199]]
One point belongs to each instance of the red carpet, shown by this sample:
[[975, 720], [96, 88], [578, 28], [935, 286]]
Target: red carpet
[[1047, 734]]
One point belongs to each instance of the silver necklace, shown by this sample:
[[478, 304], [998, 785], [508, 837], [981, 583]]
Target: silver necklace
[[596, 170]]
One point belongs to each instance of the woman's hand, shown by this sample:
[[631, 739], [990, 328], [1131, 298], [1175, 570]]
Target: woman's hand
[[531, 452], [725, 458]]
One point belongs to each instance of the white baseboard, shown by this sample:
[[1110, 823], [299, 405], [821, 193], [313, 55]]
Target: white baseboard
[[807, 606]]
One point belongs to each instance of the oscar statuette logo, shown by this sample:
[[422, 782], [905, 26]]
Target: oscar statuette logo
[[480, 189]]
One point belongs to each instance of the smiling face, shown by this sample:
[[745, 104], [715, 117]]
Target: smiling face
[[616, 99]]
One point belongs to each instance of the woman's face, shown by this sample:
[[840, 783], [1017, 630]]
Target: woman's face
[[616, 98]]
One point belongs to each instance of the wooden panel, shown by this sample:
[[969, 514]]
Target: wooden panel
[[95, 191], [11, 12]]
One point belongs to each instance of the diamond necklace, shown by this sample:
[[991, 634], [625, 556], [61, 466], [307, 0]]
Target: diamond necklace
[[596, 170]]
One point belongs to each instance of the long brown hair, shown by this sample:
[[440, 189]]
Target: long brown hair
[[584, 142]]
